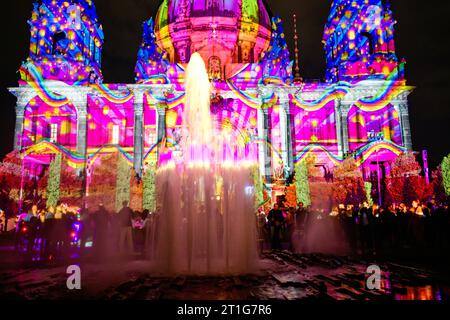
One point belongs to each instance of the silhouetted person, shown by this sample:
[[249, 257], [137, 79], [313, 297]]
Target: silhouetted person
[[68, 220], [261, 223], [138, 232], [348, 218], [85, 228], [32, 224], [49, 239], [125, 217], [101, 226], [418, 219], [276, 220], [388, 219], [366, 228]]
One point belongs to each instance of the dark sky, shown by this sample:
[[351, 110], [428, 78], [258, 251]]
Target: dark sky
[[421, 38]]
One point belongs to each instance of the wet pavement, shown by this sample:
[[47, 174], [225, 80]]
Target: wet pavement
[[282, 276]]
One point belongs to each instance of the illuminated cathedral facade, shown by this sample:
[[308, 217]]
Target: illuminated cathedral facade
[[360, 110]]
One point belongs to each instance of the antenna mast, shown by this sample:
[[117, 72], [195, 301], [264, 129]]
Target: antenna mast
[[297, 77]]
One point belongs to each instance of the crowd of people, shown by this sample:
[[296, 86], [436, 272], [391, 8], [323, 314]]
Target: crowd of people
[[51, 233], [366, 229]]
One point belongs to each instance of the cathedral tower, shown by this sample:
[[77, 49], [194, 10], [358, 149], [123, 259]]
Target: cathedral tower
[[66, 41], [359, 41]]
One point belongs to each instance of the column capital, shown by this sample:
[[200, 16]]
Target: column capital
[[345, 107], [284, 99], [139, 109], [82, 113], [161, 111], [23, 95], [79, 99], [403, 107], [20, 110], [139, 92], [138, 99], [264, 110], [161, 91], [139, 104], [263, 91]]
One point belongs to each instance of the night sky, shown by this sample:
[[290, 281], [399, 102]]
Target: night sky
[[421, 38]]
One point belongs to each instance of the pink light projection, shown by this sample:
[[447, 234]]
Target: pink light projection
[[254, 101]]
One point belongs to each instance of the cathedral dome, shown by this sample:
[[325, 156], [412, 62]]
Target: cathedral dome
[[234, 31]]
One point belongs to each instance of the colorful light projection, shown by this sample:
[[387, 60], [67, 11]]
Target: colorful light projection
[[276, 64], [316, 127], [110, 118], [363, 124], [214, 29], [151, 66], [66, 41], [110, 123], [41, 121], [359, 41], [314, 120]]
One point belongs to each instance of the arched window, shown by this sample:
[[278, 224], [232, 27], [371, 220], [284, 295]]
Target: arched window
[[53, 132], [58, 40], [366, 43]]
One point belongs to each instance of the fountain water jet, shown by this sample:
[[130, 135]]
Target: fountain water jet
[[205, 195]]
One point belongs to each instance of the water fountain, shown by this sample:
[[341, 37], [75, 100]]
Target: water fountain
[[205, 194]]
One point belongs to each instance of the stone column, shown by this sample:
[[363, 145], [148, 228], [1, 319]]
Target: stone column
[[23, 95], [18, 133], [286, 133], [265, 157], [345, 109], [138, 130], [79, 100], [338, 116], [160, 123], [406, 126], [82, 131]]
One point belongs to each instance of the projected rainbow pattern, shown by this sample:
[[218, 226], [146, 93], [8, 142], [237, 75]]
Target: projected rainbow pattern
[[359, 41], [65, 54]]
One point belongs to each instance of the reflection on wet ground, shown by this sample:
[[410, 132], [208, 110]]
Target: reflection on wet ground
[[282, 276]]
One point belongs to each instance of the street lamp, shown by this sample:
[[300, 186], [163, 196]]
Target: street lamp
[[377, 138], [380, 202], [21, 185]]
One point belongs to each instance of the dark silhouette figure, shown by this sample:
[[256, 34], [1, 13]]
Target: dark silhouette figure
[[366, 229], [276, 221], [125, 217], [32, 224], [101, 227], [85, 229]]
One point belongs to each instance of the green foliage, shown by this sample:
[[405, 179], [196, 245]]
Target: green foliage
[[445, 166], [54, 180], [149, 196], [368, 187], [259, 188], [122, 182], [302, 183]]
